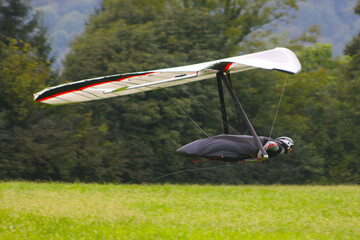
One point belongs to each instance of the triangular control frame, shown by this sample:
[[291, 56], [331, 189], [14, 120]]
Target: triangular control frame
[[241, 114]]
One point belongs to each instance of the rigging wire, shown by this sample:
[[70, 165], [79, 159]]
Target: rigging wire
[[184, 112], [193, 97], [197, 169], [258, 113], [278, 106], [206, 108], [232, 128]]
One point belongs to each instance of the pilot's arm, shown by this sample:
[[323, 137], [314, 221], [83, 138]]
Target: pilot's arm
[[271, 146]]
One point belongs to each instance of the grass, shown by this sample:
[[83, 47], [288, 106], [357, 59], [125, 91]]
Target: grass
[[94, 211]]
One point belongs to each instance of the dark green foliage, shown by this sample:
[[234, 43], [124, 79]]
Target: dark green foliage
[[69, 148], [22, 73], [133, 138], [17, 23], [349, 167]]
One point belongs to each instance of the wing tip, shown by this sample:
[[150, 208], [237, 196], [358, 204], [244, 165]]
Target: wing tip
[[295, 65]]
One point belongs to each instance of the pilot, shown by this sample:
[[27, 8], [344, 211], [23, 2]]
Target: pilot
[[227, 147]]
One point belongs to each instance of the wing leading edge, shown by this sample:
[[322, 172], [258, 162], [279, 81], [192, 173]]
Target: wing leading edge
[[281, 59]]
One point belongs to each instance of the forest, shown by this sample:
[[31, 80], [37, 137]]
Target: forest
[[132, 139]]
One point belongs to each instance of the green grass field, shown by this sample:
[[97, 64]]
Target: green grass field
[[94, 211]]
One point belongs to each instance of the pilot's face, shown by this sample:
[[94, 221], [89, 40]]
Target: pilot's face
[[288, 151]]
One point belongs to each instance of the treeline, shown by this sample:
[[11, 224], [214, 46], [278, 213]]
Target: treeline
[[132, 139]]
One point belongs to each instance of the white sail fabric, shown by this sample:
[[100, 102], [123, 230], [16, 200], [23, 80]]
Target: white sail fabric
[[281, 59]]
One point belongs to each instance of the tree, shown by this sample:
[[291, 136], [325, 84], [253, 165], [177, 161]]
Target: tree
[[24, 69], [351, 109], [17, 23], [22, 74], [247, 23]]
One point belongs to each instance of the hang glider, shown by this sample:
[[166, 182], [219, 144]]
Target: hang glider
[[281, 59]]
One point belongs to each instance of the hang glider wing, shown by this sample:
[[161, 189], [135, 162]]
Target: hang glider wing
[[281, 59]]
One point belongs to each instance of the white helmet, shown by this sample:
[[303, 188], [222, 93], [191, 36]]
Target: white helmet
[[286, 142]]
